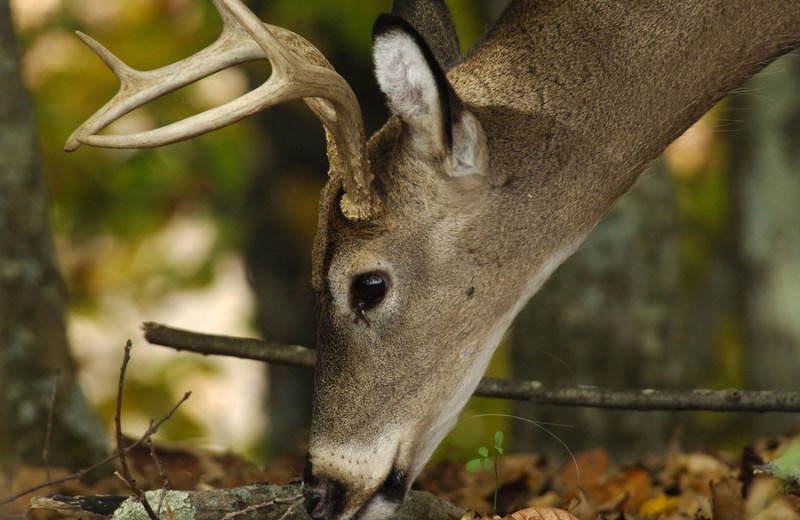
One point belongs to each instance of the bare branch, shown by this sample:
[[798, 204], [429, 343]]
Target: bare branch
[[82, 473], [730, 400], [727, 400], [245, 348], [161, 471], [125, 475]]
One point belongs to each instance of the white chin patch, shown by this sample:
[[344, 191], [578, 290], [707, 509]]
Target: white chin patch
[[378, 508]]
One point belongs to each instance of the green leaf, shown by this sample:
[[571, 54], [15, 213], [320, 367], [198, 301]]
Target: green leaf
[[473, 466], [499, 450], [483, 451], [487, 465], [787, 466], [498, 439]]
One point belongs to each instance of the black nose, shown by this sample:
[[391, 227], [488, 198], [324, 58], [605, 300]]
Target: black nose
[[324, 497], [395, 486]]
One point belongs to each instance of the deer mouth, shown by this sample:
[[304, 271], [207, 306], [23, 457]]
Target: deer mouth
[[325, 498]]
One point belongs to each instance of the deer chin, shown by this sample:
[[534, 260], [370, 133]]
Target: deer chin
[[377, 508], [355, 482]]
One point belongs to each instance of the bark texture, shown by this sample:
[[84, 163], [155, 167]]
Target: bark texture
[[765, 163], [33, 343], [258, 501], [661, 296]]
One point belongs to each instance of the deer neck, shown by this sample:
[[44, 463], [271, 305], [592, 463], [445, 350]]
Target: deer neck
[[577, 99]]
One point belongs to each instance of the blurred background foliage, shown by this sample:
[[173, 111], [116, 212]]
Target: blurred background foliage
[[211, 234], [214, 234]]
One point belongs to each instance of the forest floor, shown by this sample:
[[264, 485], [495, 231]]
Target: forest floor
[[699, 485]]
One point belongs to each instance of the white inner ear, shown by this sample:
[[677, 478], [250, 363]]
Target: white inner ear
[[470, 152], [404, 76]]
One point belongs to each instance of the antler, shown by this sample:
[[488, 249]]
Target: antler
[[299, 70]]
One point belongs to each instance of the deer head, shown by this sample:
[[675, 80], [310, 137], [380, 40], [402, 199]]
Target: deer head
[[490, 172]]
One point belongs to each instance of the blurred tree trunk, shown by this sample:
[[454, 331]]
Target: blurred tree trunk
[[284, 202], [765, 164], [693, 280], [605, 318], [279, 262], [33, 344]]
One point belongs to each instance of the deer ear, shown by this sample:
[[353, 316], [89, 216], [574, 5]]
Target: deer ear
[[419, 93]]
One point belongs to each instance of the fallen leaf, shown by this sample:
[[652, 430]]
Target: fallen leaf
[[541, 513], [787, 465], [660, 505], [628, 489], [589, 468], [727, 498], [575, 502]]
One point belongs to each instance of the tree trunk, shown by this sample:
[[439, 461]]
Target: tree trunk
[[286, 186], [605, 318], [681, 286], [33, 344], [766, 196]]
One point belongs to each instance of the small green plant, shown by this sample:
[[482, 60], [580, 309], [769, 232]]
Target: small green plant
[[486, 463]]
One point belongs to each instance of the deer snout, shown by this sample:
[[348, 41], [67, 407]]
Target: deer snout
[[326, 498]]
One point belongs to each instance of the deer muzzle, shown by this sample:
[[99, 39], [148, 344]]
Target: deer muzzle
[[328, 498]]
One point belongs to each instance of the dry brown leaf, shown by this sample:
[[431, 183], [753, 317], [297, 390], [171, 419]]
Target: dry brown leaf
[[588, 469], [577, 504], [541, 513], [727, 498], [626, 490]]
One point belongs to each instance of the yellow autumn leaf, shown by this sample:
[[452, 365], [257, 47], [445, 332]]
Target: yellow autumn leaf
[[659, 505]]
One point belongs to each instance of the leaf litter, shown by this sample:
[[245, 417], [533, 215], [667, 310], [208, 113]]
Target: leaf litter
[[677, 485]]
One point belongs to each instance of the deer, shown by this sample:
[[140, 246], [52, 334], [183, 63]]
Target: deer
[[491, 171]]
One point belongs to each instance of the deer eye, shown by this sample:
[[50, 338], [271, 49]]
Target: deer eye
[[368, 290]]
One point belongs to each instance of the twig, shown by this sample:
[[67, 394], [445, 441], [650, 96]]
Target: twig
[[83, 472], [49, 431], [125, 475], [245, 348], [152, 430], [161, 471], [167, 485], [730, 400]]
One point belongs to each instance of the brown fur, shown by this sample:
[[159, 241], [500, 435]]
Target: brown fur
[[576, 98]]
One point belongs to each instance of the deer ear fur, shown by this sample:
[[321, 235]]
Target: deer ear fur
[[418, 92]]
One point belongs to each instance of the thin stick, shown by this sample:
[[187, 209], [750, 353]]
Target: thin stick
[[125, 475], [83, 472], [49, 431], [730, 400], [245, 348], [161, 471], [167, 485]]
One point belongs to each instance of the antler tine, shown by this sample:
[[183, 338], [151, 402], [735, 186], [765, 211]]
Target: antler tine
[[137, 87], [299, 70]]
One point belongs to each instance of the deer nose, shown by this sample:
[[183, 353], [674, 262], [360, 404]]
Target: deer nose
[[324, 497]]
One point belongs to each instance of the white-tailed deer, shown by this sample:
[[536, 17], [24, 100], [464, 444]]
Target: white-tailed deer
[[490, 173]]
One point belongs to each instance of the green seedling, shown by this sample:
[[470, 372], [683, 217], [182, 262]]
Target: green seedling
[[485, 462]]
